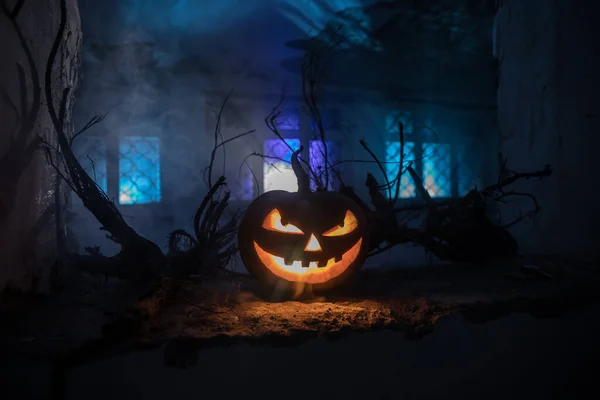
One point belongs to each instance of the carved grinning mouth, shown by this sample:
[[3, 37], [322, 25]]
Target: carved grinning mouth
[[314, 272], [311, 264]]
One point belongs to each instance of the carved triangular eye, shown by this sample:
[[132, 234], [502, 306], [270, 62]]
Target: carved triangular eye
[[273, 223], [350, 224]]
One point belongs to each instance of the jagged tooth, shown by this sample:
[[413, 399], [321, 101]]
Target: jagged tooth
[[305, 263], [338, 258], [322, 263], [288, 260]]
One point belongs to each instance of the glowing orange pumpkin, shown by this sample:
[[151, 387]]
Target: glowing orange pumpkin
[[313, 238]]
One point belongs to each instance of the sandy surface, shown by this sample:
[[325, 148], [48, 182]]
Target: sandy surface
[[98, 319]]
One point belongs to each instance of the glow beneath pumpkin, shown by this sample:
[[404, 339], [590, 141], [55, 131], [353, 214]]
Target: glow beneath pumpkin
[[313, 274]]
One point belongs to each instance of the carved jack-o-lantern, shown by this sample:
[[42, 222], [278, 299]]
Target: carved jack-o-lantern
[[316, 238]]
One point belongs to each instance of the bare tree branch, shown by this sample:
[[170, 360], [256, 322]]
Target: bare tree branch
[[217, 133]]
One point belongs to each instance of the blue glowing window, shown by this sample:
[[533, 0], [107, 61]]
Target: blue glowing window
[[318, 164], [91, 154], [392, 163], [437, 169], [139, 170], [277, 170]]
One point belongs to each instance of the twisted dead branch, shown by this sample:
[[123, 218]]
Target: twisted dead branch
[[139, 259], [212, 246]]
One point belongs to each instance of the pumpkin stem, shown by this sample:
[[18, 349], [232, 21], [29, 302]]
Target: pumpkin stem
[[301, 175]]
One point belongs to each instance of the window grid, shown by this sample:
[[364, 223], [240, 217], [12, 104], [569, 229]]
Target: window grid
[[392, 157], [139, 170], [437, 169], [444, 168], [277, 171]]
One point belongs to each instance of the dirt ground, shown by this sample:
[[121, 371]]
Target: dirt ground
[[93, 319]]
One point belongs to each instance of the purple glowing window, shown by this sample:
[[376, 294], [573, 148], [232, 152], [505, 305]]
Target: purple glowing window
[[277, 171]]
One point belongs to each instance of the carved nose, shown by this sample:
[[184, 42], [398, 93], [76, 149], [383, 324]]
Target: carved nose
[[313, 244]]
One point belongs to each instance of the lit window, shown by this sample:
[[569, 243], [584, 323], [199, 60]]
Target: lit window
[[139, 170], [392, 158], [443, 168], [437, 169], [277, 172], [318, 164], [91, 154]]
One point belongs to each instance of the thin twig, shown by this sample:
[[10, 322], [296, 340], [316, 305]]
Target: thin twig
[[255, 179], [401, 165], [216, 137], [547, 171], [379, 164], [231, 139], [96, 119]]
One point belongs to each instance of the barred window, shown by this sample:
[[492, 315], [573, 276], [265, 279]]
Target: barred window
[[91, 154], [436, 174], [139, 170], [392, 155], [443, 167], [277, 172]]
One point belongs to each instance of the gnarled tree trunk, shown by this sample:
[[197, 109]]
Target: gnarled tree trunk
[[28, 231]]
